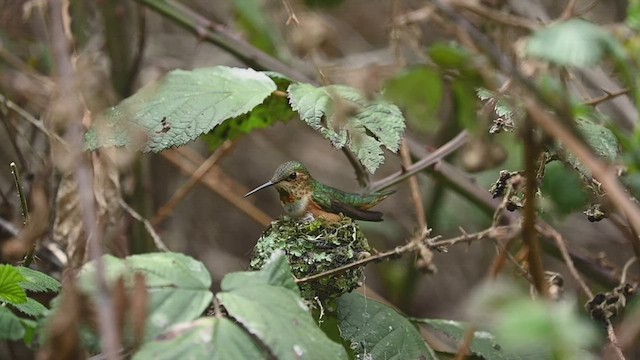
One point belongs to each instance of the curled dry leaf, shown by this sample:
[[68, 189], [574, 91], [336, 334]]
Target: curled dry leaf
[[68, 227]]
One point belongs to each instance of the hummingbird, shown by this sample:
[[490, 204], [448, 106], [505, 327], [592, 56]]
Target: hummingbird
[[304, 197]]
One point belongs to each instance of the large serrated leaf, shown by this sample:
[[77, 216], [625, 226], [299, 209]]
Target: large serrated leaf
[[274, 109], [31, 308], [483, 344], [573, 43], [10, 289], [178, 286], [179, 108], [37, 281], [276, 315], [205, 338], [345, 117], [377, 331]]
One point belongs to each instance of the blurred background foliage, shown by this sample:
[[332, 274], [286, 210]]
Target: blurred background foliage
[[403, 49]]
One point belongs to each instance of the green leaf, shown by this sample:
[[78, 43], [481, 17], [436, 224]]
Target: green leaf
[[377, 331], [204, 338], [633, 14], [602, 141], [535, 329], [418, 93], [564, 188], [30, 328], [32, 308], [465, 103], [276, 315], [483, 344], [276, 272], [178, 285], [274, 109], [344, 116], [573, 43], [38, 281], [10, 326], [179, 108], [10, 289]]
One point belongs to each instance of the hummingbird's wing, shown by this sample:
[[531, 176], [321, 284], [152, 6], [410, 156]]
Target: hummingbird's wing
[[353, 212]]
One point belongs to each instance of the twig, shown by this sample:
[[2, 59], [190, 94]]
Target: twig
[[529, 235], [60, 45], [197, 175], [400, 250], [31, 119], [147, 225], [607, 96], [23, 198], [615, 345], [291, 14], [496, 16], [425, 255], [219, 35], [416, 197], [28, 258], [361, 173], [431, 159], [218, 185], [551, 124], [569, 10], [463, 349], [587, 8], [601, 171], [560, 243]]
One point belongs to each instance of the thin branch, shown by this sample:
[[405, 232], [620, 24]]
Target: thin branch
[[496, 16], [431, 159], [147, 225], [601, 171], [361, 173], [28, 258], [197, 175], [60, 44], [587, 8], [607, 96], [529, 235], [221, 37], [569, 10], [21, 195], [400, 250], [218, 184], [560, 243], [31, 119], [425, 255], [615, 345]]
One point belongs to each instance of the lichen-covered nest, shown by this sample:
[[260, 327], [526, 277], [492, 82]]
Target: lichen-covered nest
[[314, 247]]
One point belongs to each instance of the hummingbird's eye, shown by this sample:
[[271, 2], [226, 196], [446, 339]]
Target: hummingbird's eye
[[292, 176]]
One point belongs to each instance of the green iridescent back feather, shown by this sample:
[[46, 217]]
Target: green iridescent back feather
[[323, 195]]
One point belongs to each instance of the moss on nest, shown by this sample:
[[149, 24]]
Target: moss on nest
[[314, 247]]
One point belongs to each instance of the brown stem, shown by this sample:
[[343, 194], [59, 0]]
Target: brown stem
[[429, 160], [529, 234]]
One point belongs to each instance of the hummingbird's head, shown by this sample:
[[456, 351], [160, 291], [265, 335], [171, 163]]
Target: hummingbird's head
[[288, 178]]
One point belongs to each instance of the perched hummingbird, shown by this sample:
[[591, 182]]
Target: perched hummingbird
[[302, 196]]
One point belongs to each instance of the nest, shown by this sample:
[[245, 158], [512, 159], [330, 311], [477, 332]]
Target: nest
[[315, 247]]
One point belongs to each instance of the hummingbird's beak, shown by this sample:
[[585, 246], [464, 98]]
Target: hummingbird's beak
[[265, 185]]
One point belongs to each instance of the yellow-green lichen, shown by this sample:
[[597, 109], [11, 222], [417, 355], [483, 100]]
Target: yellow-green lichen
[[315, 247]]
